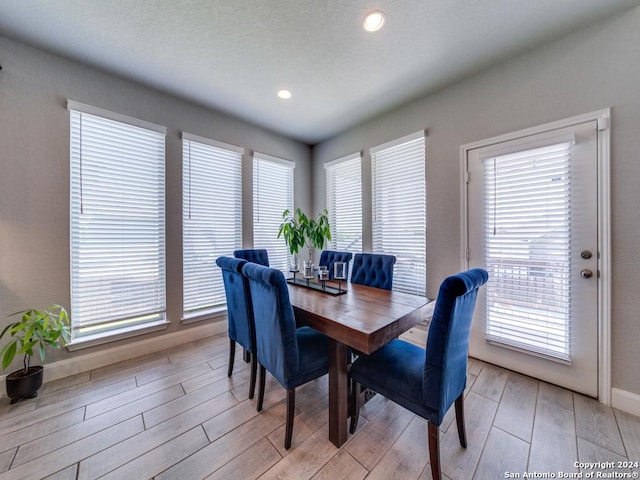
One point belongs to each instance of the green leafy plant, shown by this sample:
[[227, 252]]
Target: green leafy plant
[[34, 331], [300, 230], [292, 229]]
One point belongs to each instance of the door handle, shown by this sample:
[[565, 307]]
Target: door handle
[[586, 273]]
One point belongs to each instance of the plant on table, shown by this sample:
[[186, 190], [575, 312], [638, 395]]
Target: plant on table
[[300, 230]]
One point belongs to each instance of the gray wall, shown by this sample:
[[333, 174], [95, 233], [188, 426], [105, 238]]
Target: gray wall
[[34, 170], [594, 68]]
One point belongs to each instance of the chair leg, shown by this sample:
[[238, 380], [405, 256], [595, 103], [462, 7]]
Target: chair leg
[[434, 451], [254, 368], [291, 406], [462, 434], [367, 394], [263, 372], [246, 356], [355, 405], [232, 356]]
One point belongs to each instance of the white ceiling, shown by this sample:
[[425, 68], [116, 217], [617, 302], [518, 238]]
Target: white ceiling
[[233, 55]]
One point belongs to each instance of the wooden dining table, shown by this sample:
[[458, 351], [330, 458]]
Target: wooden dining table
[[364, 318]]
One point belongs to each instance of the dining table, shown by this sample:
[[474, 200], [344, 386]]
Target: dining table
[[359, 318]]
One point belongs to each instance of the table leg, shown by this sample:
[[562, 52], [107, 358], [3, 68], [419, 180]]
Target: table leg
[[338, 392]]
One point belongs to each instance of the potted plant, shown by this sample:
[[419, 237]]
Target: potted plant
[[35, 330], [300, 230]]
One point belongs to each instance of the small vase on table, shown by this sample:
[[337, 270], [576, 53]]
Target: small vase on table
[[340, 273]]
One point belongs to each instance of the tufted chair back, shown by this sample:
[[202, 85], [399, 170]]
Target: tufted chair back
[[293, 356], [256, 255], [427, 381], [275, 322], [373, 270], [445, 369], [239, 314], [329, 257], [239, 311]]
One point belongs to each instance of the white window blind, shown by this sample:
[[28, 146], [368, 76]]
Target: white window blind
[[399, 209], [272, 195], [117, 223], [344, 203], [211, 218], [527, 243]]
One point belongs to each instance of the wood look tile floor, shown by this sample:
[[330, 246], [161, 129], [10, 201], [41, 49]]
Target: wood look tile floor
[[176, 415]]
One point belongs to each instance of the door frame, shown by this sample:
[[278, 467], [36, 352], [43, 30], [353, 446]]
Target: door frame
[[602, 117]]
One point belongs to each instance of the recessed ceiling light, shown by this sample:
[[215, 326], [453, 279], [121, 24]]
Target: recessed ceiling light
[[284, 94], [373, 21]]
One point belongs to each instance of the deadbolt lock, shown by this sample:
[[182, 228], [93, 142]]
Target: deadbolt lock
[[586, 273]]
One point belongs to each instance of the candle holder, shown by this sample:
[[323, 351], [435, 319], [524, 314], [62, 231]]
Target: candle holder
[[307, 271], [340, 273], [293, 265], [323, 275]]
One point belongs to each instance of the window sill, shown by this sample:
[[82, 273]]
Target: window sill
[[211, 314], [115, 335]]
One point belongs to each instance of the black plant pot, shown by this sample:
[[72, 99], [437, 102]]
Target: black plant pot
[[21, 385]]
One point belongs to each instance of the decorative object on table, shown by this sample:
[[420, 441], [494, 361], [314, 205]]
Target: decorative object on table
[[294, 266], [293, 356], [323, 275], [299, 230], [427, 383], [340, 273], [312, 284], [329, 257], [255, 255], [307, 271], [294, 271], [35, 330], [373, 270], [241, 328]]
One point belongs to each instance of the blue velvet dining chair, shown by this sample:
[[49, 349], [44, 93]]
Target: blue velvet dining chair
[[329, 257], [373, 270], [293, 356], [256, 255], [239, 314], [427, 382]]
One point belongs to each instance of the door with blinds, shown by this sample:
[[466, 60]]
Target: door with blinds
[[532, 224]]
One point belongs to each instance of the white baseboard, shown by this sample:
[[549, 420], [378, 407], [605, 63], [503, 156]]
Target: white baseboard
[[82, 363], [625, 401]]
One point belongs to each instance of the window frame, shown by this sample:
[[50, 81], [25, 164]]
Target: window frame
[[80, 193], [537, 269], [333, 171], [393, 151], [208, 281], [277, 247]]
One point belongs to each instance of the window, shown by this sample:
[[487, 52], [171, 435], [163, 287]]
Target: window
[[117, 224], [211, 218], [399, 209], [344, 203], [272, 195], [527, 244]]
